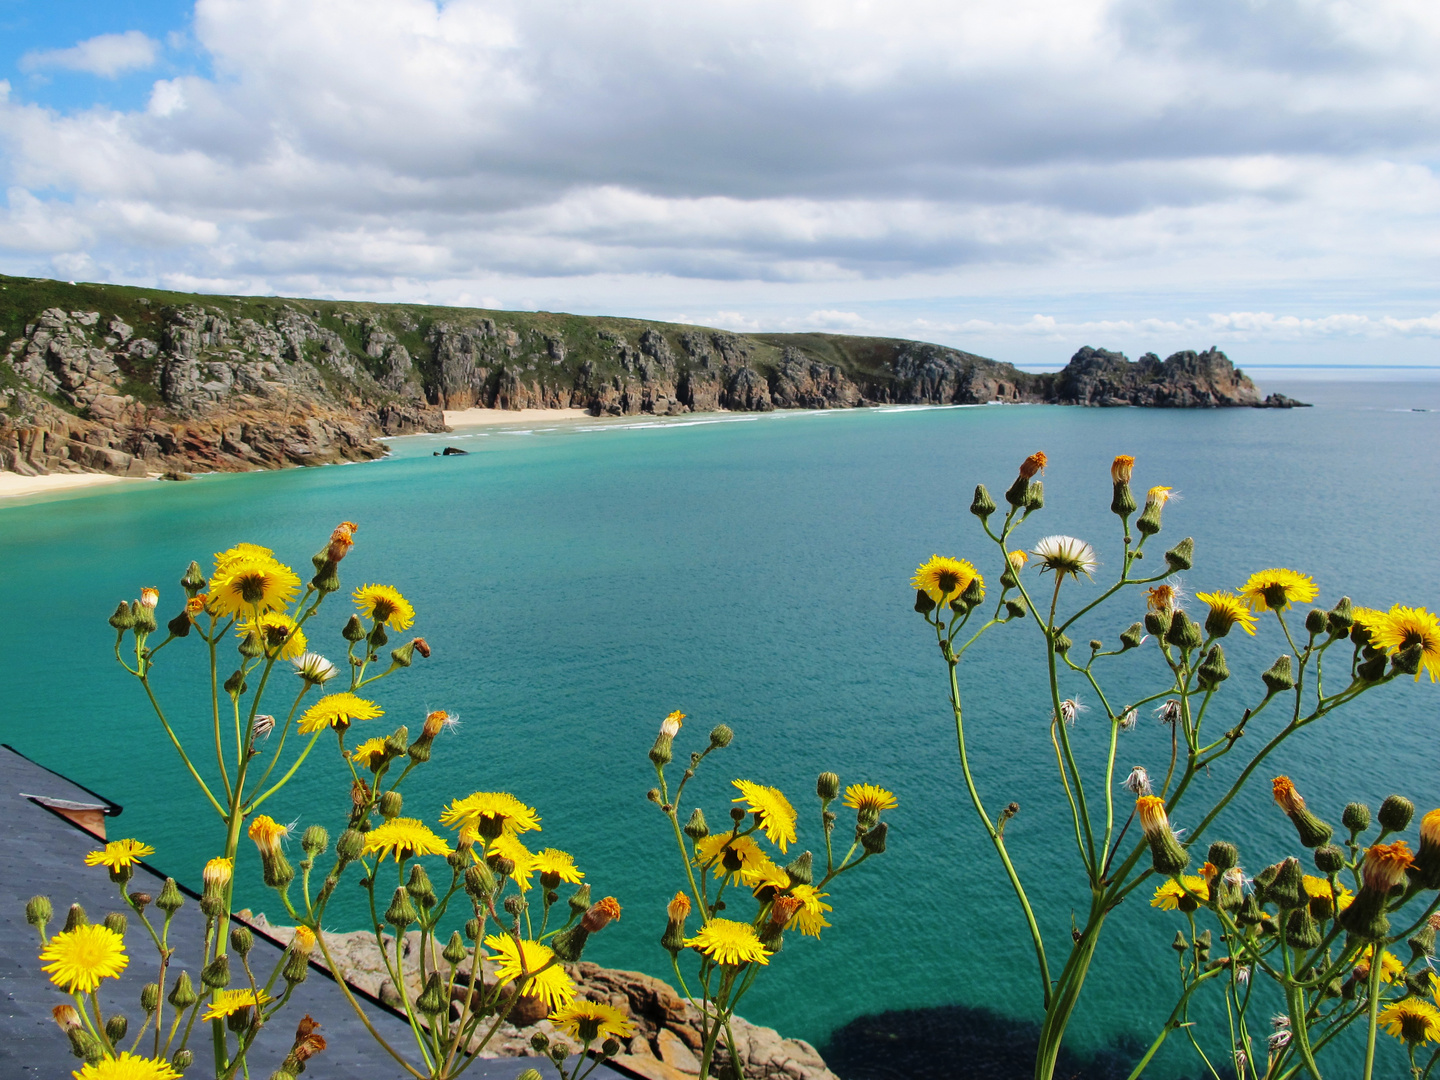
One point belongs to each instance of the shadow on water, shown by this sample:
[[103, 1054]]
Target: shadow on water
[[955, 1042]]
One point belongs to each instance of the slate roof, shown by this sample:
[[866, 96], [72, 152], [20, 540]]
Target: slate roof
[[44, 853]]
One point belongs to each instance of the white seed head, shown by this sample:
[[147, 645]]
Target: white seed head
[[314, 669]]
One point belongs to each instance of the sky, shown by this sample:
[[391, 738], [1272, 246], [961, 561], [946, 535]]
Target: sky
[[1014, 177]]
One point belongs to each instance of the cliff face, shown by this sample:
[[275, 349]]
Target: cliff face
[[133, 381]]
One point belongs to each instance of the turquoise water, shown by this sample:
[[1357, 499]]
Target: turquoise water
[[580, 582]]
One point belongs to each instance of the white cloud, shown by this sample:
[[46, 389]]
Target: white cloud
[[782, 165], [108, 55]]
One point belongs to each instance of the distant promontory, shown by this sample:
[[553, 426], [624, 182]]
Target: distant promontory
[[134, 381]]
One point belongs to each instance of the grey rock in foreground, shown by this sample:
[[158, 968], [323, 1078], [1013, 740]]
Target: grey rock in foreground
[[667, 1041]]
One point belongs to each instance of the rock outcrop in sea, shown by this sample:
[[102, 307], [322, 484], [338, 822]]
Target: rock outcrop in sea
[[104, 378]]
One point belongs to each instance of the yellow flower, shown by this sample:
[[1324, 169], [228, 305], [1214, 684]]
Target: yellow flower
[[1275, 590], [1414, 1020], [337, 711], [943, 579], [1167, 897], [1320, 887], [267, 834], [404, 837], [1406, 626], [119, 854], [1018, 559], [551, 984], [559, 864], [1227, 611], [777, 816], [249, 586], [731, 856], [277, 631], [1120, 468], [384, 604], [229, 1002], [729, 943], [240, 553], [1391, 969], [370, 754], [868, 800], [810, 919], [591, 1020], [765, 875], [127, 1066], [499, 807], [507, 847], [80, 958]]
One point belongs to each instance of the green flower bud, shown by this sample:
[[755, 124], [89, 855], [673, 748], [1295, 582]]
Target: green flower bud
[[1289, 886], [276, 869], [236, 685], [480, 882], [1179, 944], [827, 786], [1422, 944], [1131, 637], [1213, 671], [1015, 493], [179, 625], [241, 940], [402, 655], [150, 997], [874, 841], [1223, 856], [1316, 621], [515, 905], [354, 630], [39, 911], [1155, 624], [1395, 813], [1356, 817], [1301, 932], [580, 900], [297, 966], [1407, 660], [540, 1042], [1034, 497], [378, 637], [194, 581], [182, 995], [183, 1059], [390, 805], [1279, 676], [1329, 859], [144, 617], [401, 912], [1015, 609], [974, 592], [116, 1027], [251, 646], [923, 604], [609, 1048], [801, 871], [315, 840], [1250, 913], [75, 917], [115, 921], [419, 886], [1183, 631], [569, 944], [720, 736], [216, 974], [1202, 946], [1341, 617], [1181, 556], [122, 620], [982, 505], [1372, 669], [455, 951], [1063, 644], [1122, 503], [473, 929]]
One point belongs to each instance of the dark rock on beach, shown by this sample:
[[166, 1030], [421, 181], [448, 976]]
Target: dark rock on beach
[[1280, 401]]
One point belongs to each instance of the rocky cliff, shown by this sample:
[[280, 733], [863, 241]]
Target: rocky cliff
[[136, 381]]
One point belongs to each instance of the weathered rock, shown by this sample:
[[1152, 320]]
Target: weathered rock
[[1185, 380], [1280, 401]]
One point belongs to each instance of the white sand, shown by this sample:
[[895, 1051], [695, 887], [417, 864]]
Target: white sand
[[489, 417], [13, 485]]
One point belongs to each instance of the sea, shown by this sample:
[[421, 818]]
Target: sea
[[579, 581]]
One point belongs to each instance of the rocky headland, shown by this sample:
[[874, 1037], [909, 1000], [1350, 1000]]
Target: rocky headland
[[134, 382]]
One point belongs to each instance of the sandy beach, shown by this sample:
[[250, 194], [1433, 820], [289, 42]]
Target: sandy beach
[[13, 485], [490, 417]]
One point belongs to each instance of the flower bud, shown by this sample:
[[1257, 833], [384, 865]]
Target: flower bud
[[1063, 644], [1149, 520], [1131, 637], [1372, 669], [183, 1059], [241, 940], [1395, 813], [610, 1047], [455, 951], [1407, 660], [1341, 617], [473, 929], [1384, 868], [1356, 817], [1015, 609], [401, 912], [433, 1000], [802, 870], [720, 736], [1313, 832], [180, 624], [1034, 497], [923, 604], [297, 956], [116, 922], [1213, 671], [1223, 856], [236, 685], [116, 1027], [378, 637], [170, 899], [314, 841], [874, 841], [1180, 945], [390, 805], [1279, 676], [1316, 621], [1183, 631], [580, 901], [480, 882], [194, 581], [570, 944], [982, 505], [150, 997], [1301, 932], [529, 1074], [419, 886], [1288, 887], [122, 620], [1166, 854], [1329, 859], [827, 786], [403, 655], [354, 630], [1422, 944], [1181, 556], [251, 645], [500, 864], [515, 905], [75, 918], [1122, 502], [182, 995], [216, 974], [350, 846], [39, 911], [144, 616]]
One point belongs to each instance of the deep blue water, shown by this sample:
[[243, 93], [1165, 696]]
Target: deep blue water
[[579, 583]]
